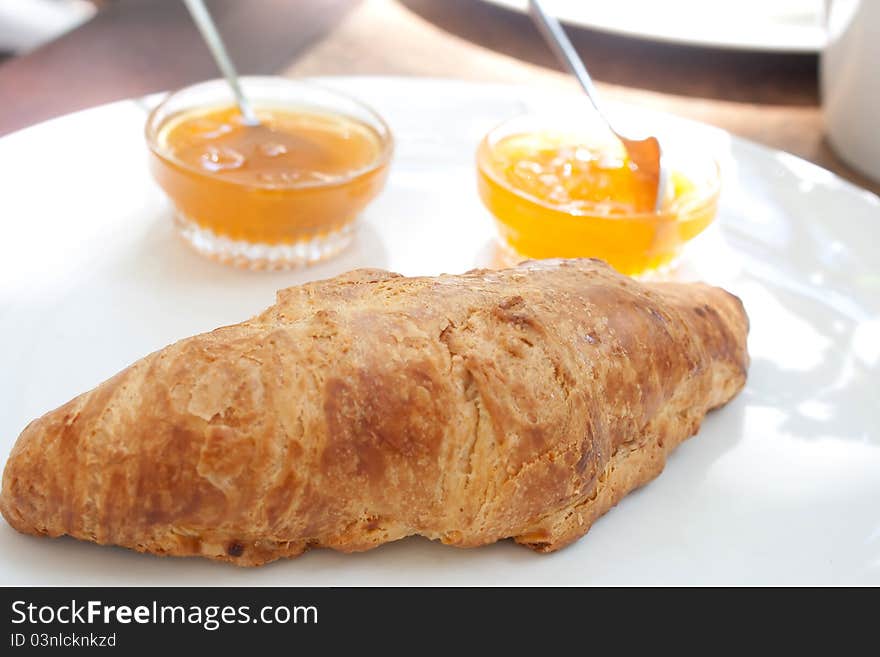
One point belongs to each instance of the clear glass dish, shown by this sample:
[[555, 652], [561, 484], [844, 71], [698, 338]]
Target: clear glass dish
[[635, 243], [273, 221]]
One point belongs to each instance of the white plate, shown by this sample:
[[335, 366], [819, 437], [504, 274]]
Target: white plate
[[769, 25], [780, 486]]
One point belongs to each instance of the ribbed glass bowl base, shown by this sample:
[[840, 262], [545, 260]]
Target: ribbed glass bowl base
[[257, 256]]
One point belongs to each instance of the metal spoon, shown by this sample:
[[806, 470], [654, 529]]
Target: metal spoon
[[212, 37], [645, 153]]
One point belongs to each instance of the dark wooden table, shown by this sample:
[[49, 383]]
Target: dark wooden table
[[135, 47]]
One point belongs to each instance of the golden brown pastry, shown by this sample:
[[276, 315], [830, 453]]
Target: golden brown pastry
[[521, 403]]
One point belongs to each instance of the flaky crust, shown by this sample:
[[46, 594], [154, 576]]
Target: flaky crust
[[520, 403]]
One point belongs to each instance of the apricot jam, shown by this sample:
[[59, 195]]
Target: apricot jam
[[276, 189], [557, 194]]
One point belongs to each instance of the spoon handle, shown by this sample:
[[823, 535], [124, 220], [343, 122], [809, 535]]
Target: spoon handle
[[212, 37], [646, 153], [556, 38]]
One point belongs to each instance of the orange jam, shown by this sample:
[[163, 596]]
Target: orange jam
[[560, 195], [296, 176]]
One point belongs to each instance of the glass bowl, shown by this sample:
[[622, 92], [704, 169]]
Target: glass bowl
[[280, 221], [633, 243]]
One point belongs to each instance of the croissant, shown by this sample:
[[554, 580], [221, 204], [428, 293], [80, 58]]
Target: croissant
[[359, 410]]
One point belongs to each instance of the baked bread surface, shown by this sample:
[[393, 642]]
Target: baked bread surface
[[520, 403]]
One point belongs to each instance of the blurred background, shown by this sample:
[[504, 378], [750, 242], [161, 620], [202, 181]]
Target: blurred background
[[748, 66]]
